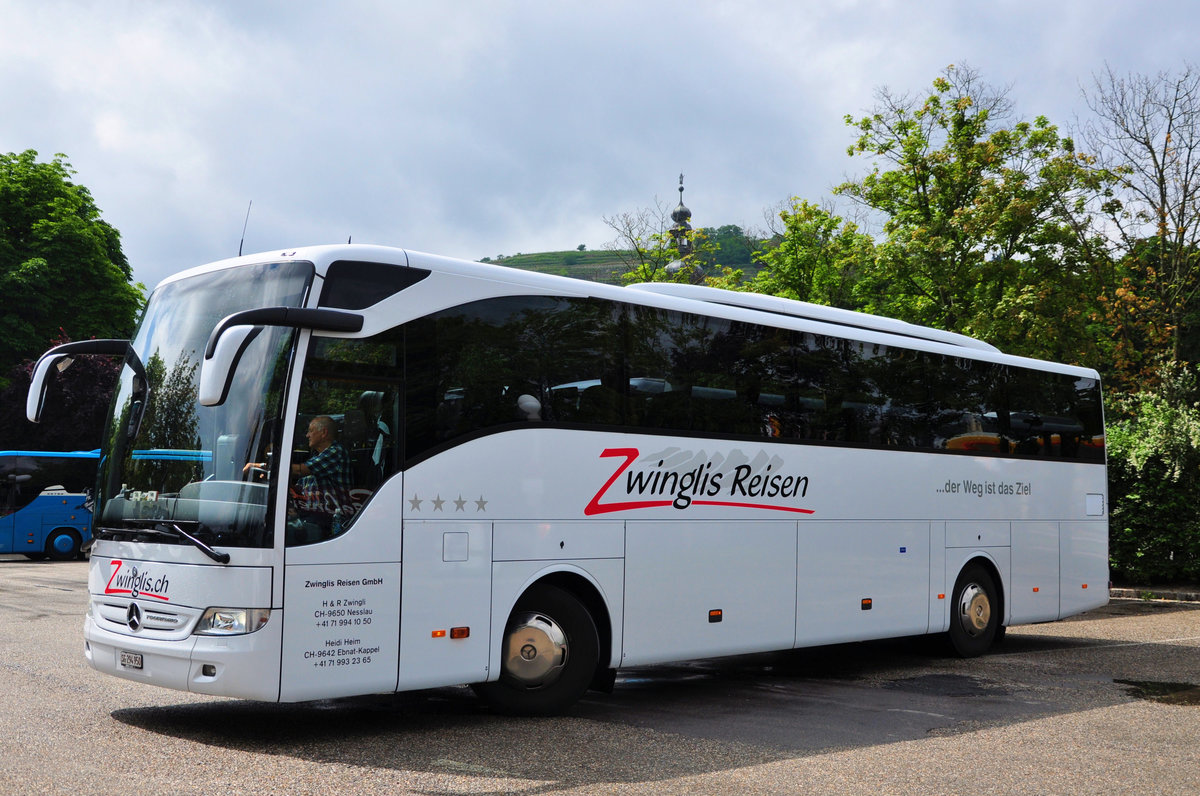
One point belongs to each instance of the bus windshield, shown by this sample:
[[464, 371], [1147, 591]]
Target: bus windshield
[[173, 468]]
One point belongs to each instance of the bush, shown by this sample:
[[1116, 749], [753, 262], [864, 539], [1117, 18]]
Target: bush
[[1154, 484]]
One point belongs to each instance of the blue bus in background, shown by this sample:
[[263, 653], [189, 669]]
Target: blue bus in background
[[45, 502]]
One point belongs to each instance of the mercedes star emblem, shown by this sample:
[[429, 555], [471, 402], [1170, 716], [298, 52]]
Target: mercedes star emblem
[[133, 616]]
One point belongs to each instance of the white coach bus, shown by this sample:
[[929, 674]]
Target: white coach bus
[[543, 480]]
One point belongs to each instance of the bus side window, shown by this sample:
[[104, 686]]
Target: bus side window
[[378, 410], [564, 404], [601, 404], [355, 382]]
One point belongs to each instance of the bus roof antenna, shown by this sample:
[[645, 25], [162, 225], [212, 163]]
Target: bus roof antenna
[[244, 224]]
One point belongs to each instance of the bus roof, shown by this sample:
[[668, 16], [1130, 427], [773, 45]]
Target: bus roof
[[687, 298], [812, 312]]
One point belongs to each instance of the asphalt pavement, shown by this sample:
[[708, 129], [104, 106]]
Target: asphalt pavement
[[1104, 703]]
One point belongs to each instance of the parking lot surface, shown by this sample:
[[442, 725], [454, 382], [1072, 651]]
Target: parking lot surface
[[1108, 702]]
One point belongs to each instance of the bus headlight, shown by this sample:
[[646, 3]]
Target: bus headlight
[[231, 621]]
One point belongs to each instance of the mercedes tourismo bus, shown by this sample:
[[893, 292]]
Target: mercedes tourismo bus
[[544, 480], [45, 502]]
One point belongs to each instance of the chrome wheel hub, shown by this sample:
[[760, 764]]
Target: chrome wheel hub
[[535, 650], [974, 610]]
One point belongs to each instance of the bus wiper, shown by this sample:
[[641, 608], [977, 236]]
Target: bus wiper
[[180, 533], [101, 532], [171, 531]]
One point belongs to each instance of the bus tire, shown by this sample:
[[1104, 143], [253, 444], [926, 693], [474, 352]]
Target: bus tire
[[549, 654], [974, 613], [63, 544]]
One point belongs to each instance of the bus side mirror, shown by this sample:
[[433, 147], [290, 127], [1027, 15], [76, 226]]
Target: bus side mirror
[[35, 399], [216, 372], [231, 336]]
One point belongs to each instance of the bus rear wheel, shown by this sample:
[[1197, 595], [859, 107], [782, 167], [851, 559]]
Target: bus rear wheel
[[63, 544], [974, 613], [549, 654]]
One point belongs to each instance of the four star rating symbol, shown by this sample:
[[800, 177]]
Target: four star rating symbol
[[439, 504]]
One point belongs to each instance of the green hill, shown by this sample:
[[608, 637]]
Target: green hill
[[597, 266]]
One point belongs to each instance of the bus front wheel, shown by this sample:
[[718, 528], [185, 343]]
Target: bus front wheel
[[63, 544], [974, 613], [549, 654]]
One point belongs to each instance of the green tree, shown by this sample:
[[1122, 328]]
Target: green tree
[[173, 395], [643, 244], [985, 226], [818, 257], [1142, 337], [1146, 131], [648, 253], [61, 265], [736, 247], [666, 263]]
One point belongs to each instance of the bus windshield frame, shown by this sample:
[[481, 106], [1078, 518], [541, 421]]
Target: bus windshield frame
[[174, 470]]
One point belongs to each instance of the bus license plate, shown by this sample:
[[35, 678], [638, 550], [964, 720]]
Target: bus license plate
[[131, 660]]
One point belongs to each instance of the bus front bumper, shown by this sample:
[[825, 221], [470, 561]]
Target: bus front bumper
[[242, 666]]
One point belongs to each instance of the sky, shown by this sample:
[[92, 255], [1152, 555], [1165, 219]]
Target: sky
[[474, 128]]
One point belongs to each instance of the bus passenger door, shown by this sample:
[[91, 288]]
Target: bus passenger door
[[342, 609], [14, 491], [6, 514]]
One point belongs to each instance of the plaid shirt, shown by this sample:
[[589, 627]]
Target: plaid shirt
[[327, 488]]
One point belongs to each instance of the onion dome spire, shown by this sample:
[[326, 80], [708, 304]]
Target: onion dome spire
[[680, 229]]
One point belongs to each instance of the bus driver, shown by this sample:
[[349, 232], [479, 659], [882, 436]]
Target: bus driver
[[321, 501]]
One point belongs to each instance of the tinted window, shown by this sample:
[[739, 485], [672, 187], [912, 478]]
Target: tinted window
[[508, 361], [357, 384], [24, 476], [351, 285]]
